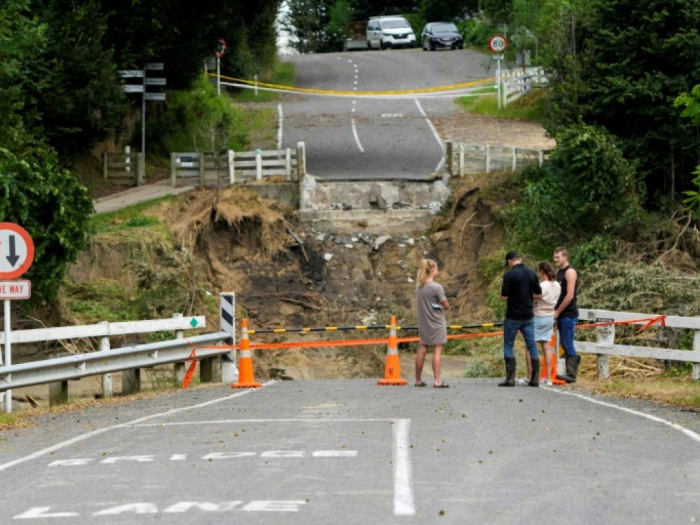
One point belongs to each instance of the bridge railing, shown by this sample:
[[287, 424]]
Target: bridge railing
[[605, 345], [234, 167], [471, 159]]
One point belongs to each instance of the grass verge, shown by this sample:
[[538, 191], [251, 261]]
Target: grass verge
[[682, 392], [283, 75], [530, 107]]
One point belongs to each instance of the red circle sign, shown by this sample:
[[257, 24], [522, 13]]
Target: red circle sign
[[16, 250], [498, 44], [220, 47]]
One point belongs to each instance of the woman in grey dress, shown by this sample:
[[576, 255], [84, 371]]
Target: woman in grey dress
[[431, 303]]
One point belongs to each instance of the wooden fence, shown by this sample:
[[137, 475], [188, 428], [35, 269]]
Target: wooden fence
[[124, 169], [471, 159], [519, 84], [231, 167]]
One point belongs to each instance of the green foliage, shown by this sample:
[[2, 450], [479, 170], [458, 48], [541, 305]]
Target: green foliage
[[476, 31], [621, 68], [283, 74], [52, 206], [530, 107], [199, 120], [691, 104], [318, 26], [585, 194]]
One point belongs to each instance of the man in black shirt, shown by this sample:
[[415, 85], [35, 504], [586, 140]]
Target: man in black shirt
[[520, 287]]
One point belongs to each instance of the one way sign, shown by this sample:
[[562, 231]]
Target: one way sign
[[16, 250]]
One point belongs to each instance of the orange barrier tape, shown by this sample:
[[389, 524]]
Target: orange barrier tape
[[193, 367], [345, 342], [650, 321]]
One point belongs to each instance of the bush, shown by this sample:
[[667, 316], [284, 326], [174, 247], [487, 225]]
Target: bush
[[585, 195], [200, 120], [52, 206]]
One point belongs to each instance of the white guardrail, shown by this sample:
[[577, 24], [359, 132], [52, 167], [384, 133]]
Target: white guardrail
[[605, 340]]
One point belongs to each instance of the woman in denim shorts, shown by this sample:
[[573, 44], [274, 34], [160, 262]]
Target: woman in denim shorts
[[544, 316]]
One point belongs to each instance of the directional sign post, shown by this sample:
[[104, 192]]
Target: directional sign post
[[145, 96], [16, 256]]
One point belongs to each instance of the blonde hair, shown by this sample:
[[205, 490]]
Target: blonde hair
[[426, 268]]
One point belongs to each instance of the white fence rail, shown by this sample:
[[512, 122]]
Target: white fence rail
[[231, 167], [471, 159], [123, 169], [520, 83], [605, 340]]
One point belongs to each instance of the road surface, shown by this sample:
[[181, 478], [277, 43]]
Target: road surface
[[357, 138], [348, 451]]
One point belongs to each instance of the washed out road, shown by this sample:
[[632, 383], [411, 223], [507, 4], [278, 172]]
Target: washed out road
[[356, 138], [348, 451]]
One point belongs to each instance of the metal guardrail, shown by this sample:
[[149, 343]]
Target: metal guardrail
[[108, 361]]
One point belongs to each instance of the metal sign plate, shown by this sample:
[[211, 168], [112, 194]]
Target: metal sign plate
[[131, 73], [155, 81], [154, 96], [155, 66], [15, 290], [16, 250], [137, 88]]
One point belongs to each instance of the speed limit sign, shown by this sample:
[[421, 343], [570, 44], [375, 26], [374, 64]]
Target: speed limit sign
[[220, 47], [498, 44]]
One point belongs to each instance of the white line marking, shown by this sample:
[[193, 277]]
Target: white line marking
[[353, 110], [404, 504], [179, 457], [354, 101], [280, 123], [233, 421], [692, 435], [436, 134], [357, 137], [335, 453], [88, 435]]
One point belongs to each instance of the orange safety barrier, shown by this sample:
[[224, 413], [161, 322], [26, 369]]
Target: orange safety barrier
[[190, 371], [392, 367], [246, 376]]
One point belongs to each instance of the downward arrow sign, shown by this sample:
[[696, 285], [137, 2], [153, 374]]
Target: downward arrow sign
[[13, 257]]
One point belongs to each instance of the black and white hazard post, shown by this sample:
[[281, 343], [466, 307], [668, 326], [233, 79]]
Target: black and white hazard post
[[229, 370], [220, 51], [16, 256], [145, 95]]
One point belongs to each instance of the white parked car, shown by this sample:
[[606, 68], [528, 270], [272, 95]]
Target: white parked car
[[386, 32]]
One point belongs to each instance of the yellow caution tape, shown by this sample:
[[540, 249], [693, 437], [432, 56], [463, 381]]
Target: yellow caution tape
[[291, 89]]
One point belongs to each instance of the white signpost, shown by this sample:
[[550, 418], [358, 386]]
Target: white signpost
[[220, 51], [498, 44], [16, 256]]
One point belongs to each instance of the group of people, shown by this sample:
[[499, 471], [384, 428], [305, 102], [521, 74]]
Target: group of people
[[535, 303]]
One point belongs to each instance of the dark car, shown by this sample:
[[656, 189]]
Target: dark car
[[438, 35]]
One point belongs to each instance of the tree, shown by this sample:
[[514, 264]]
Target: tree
[[622, 69], [52, 206], [691, 104]]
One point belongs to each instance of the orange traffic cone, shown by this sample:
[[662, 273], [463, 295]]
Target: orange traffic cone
[[246, 376], [392, 367], [555, 358]]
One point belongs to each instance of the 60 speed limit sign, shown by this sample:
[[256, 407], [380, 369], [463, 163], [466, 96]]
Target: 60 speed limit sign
[[498, 44]]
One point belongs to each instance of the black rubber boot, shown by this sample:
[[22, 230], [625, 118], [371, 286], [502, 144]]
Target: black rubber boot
[[572, 362], [535, 377], [510, 372]]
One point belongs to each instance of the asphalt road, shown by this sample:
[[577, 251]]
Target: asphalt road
[[358, 138], [348, 451]]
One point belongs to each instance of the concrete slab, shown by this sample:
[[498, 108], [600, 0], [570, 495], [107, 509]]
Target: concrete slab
[[138, 195]]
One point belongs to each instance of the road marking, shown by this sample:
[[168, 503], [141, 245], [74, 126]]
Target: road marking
[[392, 115], [177, 508], [334, 453], [404, 504], [77, 462], [137, 459], [692, 435], [179, 457], [229, 455], [280, 123], [436, 134], [354, 101], [88, 435], [357, 137]]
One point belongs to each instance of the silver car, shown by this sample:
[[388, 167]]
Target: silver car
[[386, 32]]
